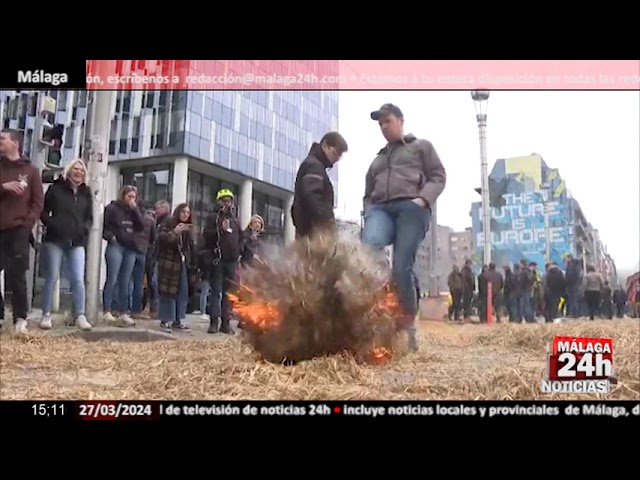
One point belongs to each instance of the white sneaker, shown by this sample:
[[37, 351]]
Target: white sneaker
[[82, 323], [126, 320], [204, 317], [108, 317], [21, 326], [45, 322]]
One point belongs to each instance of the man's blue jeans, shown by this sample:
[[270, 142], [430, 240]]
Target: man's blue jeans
[[524, 308], [137, 280], [205, 291], [403, 224], [152, 283], [53, 254], [120, 263], [573, 302]]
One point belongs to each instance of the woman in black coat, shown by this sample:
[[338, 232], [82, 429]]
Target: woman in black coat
[[67, 217], [251, 240]]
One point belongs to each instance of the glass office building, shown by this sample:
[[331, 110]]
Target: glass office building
[[185, 145]]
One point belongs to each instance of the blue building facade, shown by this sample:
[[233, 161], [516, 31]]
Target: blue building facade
[[185, 145], [517, 200]]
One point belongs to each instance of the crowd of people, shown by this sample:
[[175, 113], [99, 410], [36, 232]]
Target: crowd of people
[[524, 293], [155, 261]]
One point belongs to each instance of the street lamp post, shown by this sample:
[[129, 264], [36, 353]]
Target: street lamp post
[[546, 191], [481, 101]]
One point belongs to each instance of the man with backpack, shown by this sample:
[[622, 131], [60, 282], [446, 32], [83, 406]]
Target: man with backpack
[[402, 184]]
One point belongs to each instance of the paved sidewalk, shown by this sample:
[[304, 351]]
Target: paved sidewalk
[[198, 326]]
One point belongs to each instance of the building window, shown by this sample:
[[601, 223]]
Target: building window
[[154, 183]]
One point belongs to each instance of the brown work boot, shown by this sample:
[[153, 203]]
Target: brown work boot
[[140, 316]]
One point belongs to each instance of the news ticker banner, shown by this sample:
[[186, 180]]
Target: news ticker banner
[[185, 410], [323, 75]]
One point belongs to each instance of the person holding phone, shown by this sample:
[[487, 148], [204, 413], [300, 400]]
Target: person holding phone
[[175, 257], [122, 222], [223, 236]]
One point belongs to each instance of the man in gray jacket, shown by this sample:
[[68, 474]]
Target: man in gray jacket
[[403, 182]]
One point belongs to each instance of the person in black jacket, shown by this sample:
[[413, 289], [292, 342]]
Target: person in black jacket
[[67, 217], [469, 287], [251, 239], [159, 214], [312, 207], [508, 291], [122, 220], [525, 293], [573, 281], [554, 286], [620, 300], [144, 241], [606, 302], [223, 237]]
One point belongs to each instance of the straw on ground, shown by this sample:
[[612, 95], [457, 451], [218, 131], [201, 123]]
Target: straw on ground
[[503, 362]]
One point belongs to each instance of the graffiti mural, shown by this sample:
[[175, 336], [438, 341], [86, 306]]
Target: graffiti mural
[[517, 200]]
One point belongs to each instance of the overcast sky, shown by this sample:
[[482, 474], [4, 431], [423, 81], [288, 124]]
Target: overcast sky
[[593, 138]]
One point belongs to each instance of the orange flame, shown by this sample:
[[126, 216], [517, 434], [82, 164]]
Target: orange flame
[[380, 355], [389, 302], [265, 315], [262, 314]]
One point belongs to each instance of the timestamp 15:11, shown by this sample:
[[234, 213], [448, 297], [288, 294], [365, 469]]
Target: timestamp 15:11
[[49, 409]]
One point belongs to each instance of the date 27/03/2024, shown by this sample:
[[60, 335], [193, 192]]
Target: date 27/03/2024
[[95, 410]]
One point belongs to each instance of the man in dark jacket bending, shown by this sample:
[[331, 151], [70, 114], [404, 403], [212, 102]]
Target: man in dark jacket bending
[[313, 194]]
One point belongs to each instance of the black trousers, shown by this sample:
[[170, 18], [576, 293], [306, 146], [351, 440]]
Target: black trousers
[[14, 261], [552, 301], [467, 299], [222, 278], [606, 309], [593, 302], [456, 296]]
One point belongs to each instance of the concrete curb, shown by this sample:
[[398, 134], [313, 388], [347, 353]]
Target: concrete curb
[[121, 334]]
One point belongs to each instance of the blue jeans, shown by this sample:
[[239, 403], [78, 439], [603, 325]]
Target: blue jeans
[[120, 263], [205, 290], [174, 309], [137, 280], [403, 224], [524, 309], [152, 283], [75, 256], [115, 303], [573, 302]]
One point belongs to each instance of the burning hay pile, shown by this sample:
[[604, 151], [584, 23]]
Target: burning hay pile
[[318, 297]]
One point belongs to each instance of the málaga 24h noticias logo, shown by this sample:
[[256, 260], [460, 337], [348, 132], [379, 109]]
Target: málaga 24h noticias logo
[[579, 365]]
